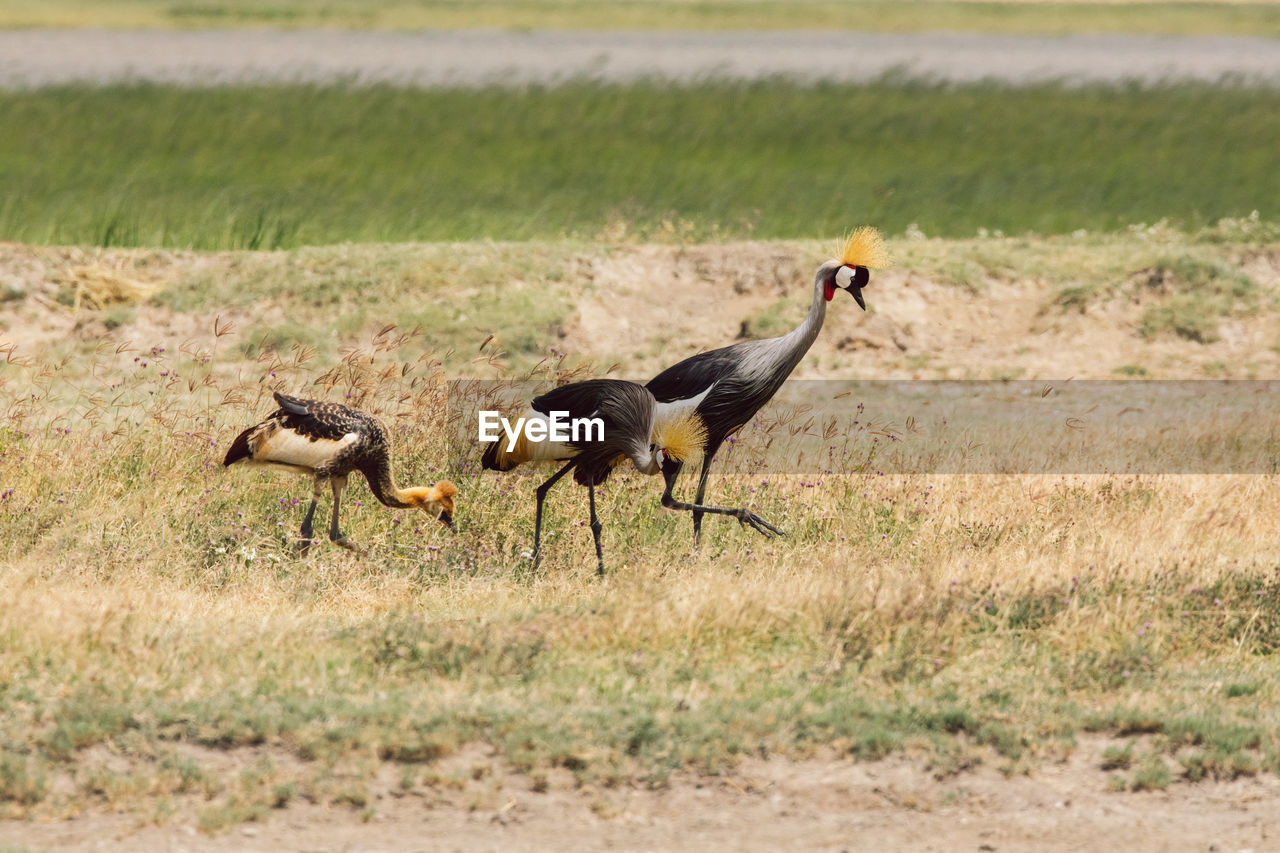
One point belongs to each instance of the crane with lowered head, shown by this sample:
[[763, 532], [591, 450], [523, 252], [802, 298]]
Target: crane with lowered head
[[631, 431], [328, 441]]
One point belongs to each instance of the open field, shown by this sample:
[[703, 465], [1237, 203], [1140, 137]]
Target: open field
[[926, 649], [1042, 18], [278, 167]]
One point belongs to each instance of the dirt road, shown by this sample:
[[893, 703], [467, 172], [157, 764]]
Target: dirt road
[[45, 57], [820, 804]]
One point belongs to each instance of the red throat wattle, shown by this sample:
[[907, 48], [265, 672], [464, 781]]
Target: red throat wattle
[[829, 290]]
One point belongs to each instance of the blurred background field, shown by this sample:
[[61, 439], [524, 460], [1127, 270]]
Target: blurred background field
[[277, 167], [1041, 18]]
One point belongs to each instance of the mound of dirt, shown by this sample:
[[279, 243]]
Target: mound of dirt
[[653, 305], [644, 307]]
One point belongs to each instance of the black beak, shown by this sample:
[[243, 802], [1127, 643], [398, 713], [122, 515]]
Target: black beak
[[855, 282], [670, 470], [861, 275], [447, 520]]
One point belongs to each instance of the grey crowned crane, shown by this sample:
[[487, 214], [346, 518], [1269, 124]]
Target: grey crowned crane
[[328, 441], [627, 413], [726, 387]]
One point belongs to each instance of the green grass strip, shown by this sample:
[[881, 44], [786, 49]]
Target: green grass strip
[[1048, 18], [285, 166]]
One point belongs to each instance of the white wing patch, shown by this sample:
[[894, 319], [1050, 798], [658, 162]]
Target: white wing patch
[[666, 412], [539, 451]]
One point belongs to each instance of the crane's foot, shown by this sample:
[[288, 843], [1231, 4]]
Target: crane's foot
[[304, 546], [344, 542], [758, 524]]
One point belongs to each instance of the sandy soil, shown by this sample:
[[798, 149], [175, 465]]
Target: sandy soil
[[653, 304], [45, 57], [821, 804]]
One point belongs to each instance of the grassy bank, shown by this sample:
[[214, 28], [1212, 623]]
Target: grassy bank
[[282, 167], [167, 652], [1167, 18]]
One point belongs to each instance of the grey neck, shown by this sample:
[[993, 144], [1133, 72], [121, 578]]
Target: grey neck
[[796, 343]]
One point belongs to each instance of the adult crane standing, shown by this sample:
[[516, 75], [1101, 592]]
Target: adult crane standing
[[726, 387], [626, 412], [328, 441]]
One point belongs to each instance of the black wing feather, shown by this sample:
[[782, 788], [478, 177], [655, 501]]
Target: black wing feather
[[626, 410], [695, 374], [489, 461], [579, 399], [239, 448]]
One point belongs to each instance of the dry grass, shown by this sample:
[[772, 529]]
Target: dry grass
[[153, 603]]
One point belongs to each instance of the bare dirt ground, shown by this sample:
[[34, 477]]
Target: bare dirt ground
[[654, 304], [649, 305], [820, 804], [468, 58]]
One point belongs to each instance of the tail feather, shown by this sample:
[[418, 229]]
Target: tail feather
[[496, 457], [490, 460], [239, 448], [292, 405]]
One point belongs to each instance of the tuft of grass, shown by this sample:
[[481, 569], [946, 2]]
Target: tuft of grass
[[1197, 294], [232, 813], [1118, 757], [1134, 370], [24, 781], [1152, 775], [1239, 689], [356, 796], [278, 167], [1218, 764], [1077, 297]]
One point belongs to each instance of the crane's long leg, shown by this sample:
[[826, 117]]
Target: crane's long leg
[[745, 516], [542, 495], [335, 535], [595, 530], [311, 512], [702, 492]]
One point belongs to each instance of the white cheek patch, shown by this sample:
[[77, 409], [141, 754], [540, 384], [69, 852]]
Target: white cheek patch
[[844, 276]]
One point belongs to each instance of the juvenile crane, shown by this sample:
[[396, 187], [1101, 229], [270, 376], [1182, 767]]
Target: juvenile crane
[[627, 412], [726, 387], [328, 441]]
